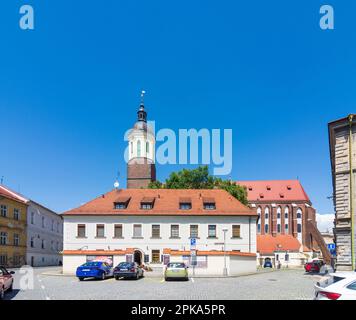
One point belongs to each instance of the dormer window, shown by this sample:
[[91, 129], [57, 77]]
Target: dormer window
[[281, 195], [121, 203], [185, 203], [147, 203], [209, 204], [268, 187], [185, 206], [249, 188], [289, 187], [261, 195]]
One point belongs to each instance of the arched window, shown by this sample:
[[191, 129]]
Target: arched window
[[139, 148], [299, 228], [279, 228], [131, 147], [147, 147], [266, 214], [286, 213], [279, 210], [299, 213], [259, 210], [266, 228]]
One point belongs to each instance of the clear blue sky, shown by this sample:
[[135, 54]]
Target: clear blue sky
[[70, 88]]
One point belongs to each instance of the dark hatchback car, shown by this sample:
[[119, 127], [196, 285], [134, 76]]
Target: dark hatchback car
[[128, 270], [313, 266]]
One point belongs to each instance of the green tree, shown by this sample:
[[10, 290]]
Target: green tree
[[200, 178]]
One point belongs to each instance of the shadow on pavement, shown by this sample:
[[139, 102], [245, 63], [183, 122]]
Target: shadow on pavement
[[9, 295]]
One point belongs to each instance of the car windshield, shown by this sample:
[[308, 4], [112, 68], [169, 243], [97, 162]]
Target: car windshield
[[176, 265], [125, 265], [92, 264]]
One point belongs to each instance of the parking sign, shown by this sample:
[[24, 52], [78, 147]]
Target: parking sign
[[193, 242]]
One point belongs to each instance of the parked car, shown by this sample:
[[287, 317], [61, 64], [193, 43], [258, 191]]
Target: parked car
[[6, 281], [176, 270], [313, 266], [128, 270], [336, 286], [268, 264], [94, 269]]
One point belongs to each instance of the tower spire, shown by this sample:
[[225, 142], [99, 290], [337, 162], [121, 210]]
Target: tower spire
[[141, 113]]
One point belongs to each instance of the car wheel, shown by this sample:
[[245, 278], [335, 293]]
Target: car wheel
[[81, 279], [11, 287], [166, 279], [137, 276], [117, 278], [2, 293], [103, 276]]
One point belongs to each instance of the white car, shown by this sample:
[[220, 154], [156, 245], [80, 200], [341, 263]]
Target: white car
[[336, 286]]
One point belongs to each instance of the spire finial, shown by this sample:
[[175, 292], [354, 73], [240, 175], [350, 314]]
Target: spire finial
[[143, 97]]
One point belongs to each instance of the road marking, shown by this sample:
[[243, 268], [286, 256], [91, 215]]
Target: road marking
[[192, 279]]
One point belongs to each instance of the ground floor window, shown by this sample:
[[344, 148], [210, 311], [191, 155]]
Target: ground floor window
[[3, 259], [156, 256]]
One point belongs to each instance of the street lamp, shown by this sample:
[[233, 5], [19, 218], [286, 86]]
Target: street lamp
[[225, 269]]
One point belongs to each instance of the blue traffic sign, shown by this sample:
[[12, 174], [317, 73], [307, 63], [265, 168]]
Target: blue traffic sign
[[193, 241], [331, 246]]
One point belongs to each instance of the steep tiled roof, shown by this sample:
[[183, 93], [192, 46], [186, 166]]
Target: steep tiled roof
[[267, 244], [275, 190], [6, 192], [166, 202]]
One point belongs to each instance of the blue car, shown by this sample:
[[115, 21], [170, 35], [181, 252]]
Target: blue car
[[94, 269]]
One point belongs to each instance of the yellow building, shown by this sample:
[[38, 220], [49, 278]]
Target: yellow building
[[13, 232]]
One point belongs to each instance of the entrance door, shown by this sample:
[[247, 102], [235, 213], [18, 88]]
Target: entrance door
[[32, 261], [138, 257]]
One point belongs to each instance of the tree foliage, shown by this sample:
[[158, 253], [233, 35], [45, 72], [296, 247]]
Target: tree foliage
[[200, 178]]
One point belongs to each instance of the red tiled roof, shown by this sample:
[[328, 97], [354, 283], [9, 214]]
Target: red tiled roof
[[267, 244], [6, 192], [275, 190], [166, 203]]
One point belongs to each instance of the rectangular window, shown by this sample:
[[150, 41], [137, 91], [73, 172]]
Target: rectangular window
[[137, 230], [286, 228], [3, 238], [156, 256], [32, 242], [212, 231], [43, 222], [32, 218], [156, 231], [209, 206], [146, 206], [194, 231], [259, 228], [16, 240], [16, 214], [236, 231], [81, 231], [120, 205], [3, 210], [3, 260], [185, 206], [43, 244], [278, 228], [100, 231], [52, 227], [118, 231], [174, 231]]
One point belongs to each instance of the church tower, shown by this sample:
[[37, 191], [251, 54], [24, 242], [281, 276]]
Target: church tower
[[141, 169]]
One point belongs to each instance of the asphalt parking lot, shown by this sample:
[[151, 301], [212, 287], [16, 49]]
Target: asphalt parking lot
[[275, 285]]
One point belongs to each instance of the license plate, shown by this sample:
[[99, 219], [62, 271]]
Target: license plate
[[86, 270], [175, 270], [123, 269]]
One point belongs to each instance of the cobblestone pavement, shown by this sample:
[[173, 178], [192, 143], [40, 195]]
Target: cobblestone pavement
[[281, 284]]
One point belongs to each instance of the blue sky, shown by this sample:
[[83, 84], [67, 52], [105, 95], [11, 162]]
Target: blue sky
[[70, 88]]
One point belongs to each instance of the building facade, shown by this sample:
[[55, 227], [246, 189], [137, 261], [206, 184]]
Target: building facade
[[155, 226], [44, 236], [33, 233], [342, 142], [286, 231], [141, 169], [13, 229]]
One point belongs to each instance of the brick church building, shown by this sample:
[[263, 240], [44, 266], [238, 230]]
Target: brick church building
[[286, 229]]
